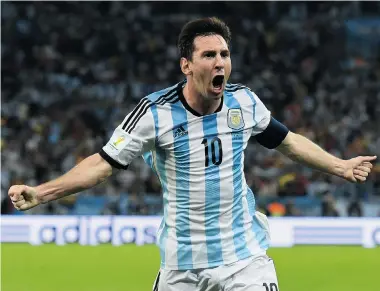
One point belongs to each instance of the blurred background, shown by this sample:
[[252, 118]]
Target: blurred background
[[71, 71]]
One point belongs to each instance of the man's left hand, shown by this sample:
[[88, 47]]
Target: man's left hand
[[358, 169]]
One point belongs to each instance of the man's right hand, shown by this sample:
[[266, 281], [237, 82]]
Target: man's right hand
[[23, 197]]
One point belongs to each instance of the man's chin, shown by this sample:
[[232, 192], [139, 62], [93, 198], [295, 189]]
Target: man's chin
[[217, 97], [213, 96]]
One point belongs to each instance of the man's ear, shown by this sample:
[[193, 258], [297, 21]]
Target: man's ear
[[185, 66]]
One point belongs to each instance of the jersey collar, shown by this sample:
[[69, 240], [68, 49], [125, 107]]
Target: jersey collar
[[187, 106]]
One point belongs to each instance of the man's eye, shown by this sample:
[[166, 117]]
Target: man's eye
[[209, 55]]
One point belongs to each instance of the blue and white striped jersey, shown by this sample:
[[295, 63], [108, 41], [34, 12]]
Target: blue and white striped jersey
[[209, 211]]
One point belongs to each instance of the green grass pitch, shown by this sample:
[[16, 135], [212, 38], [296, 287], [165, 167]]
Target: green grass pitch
[[133, 268]]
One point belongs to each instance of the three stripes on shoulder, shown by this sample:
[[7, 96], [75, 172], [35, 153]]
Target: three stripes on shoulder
[[170, 97]]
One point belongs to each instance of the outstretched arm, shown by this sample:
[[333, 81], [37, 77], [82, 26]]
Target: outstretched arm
[[134, 136], [302, 150], [272, 134], [87, 174]]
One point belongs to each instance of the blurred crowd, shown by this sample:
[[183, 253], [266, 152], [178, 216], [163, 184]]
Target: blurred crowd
[[71, 71]]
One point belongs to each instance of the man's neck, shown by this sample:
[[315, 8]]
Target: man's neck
[[199, 103]]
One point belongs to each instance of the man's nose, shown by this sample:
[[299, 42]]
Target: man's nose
[[219, 63]]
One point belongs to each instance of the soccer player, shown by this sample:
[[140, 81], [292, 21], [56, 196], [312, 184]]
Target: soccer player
[[210, 237]]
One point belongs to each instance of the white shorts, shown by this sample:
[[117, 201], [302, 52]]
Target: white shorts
[[256, 274]]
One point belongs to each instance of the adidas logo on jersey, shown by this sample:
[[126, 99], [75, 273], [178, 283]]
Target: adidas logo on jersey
[[180, 131]]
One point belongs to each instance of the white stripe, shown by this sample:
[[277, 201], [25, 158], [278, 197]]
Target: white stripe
[[197, 189], [249, 235], [226, 194], [243, 98], [252, 243], [166, 122]]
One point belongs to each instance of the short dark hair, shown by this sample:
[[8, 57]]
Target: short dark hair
[[201, 27]]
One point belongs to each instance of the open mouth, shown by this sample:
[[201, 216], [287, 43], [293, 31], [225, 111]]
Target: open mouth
[[217, 82]]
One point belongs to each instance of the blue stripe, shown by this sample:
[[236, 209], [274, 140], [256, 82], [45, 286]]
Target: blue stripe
[[249, 93], [257, 229], [256, 225], [212, 193], [159, 169], [148, 157], [241, 247], [182, 160]]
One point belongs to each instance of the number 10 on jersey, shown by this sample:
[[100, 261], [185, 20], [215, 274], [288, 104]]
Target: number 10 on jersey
[[215, 143]]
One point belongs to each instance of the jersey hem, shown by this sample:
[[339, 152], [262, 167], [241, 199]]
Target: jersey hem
[[209, 265]]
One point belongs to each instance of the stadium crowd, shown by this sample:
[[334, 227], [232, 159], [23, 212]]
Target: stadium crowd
[[71, 71]]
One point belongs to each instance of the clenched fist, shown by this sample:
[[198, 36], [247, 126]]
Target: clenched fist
[[358, 169], [23, 197]]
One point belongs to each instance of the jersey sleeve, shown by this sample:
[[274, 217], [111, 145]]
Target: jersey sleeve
[[261, 115], [133, 137]]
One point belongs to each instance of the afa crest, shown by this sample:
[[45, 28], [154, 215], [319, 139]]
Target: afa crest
[[235, 119]]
